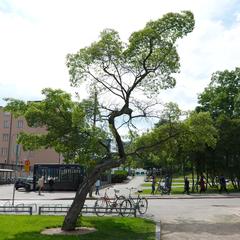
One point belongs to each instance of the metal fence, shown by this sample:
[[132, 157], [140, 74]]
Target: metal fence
[[60, 209], [16, 210]]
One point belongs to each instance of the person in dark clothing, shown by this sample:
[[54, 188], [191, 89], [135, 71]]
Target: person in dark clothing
[[186, 185], [168, 184], [51, 182], [153, 184], [97, 185], [202, 184], [223, 185]]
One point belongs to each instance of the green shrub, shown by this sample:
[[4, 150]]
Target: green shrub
[[119, 176]]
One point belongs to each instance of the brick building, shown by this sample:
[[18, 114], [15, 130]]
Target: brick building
[[11, 152]]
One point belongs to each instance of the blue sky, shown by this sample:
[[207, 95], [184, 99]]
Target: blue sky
[[36, 36]]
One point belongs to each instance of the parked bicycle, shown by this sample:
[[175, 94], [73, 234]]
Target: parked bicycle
[[140, 204], [105, 204]]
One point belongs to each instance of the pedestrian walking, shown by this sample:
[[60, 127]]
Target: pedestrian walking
[[168, 184], [186, 185], [51, 183], [202, 184], [40, 185], [153, 184], [97, 186], [223, 184]]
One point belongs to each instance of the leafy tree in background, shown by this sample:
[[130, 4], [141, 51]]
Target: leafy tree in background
[[201, 135], [222, 96], [122, 73], [184, 141], [222, 99]]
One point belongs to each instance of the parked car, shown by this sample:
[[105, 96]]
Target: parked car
[[24, 182]]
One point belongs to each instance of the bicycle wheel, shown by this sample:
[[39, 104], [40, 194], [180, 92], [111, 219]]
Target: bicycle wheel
[[125, 208], [100, 207], [119, 201], [142, 205]]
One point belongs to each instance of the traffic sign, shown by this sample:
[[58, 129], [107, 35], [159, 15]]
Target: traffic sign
[[27, 166]]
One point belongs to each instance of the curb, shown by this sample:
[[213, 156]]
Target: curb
[[158, 230], [190, 197], [148, 197]]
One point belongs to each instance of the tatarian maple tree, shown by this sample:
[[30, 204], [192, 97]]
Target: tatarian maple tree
[[121, 72]]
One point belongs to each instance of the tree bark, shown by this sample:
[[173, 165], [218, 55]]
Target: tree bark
[[74, 211], [72, 216]]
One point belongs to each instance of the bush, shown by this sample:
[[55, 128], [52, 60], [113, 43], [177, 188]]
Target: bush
[[119, 176]]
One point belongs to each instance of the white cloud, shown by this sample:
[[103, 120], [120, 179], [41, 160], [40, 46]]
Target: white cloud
[[37, 35]]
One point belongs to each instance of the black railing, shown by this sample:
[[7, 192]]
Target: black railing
[[16, 209]]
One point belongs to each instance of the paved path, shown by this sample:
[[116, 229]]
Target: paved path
[[206, 218], [6, 191]]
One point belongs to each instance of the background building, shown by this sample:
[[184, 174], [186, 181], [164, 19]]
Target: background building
[[11, 152]]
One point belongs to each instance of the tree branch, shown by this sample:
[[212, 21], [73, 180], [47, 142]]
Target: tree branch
[[109, 88]]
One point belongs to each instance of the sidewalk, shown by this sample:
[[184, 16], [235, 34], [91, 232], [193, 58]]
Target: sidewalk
[[194, 196], [6, 193]]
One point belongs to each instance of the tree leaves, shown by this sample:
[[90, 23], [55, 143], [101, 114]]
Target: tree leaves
[[66, 125], [222, 94], [147, 61]]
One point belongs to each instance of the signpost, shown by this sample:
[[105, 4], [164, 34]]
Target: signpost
[[27, 166]]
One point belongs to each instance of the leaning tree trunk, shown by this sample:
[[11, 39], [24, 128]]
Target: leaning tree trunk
[[73, 213], [77, 205]]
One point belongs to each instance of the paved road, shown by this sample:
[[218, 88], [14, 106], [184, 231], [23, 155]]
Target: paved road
[[6, 192], [197, 218], [213, 217]]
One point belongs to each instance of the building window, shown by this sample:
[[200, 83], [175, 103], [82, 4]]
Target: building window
[[20, 124], [5, 137], [6, 124], [4, 151]]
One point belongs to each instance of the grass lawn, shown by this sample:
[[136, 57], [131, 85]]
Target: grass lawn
[[173, 184], [179, 190], [174, 191], [108, 228]]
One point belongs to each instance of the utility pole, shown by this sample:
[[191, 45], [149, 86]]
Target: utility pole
[[16, 170], [95, 107], [9, 140], [94, 124]]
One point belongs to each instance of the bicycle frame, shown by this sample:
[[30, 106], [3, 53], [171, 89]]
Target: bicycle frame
[[138, 203]]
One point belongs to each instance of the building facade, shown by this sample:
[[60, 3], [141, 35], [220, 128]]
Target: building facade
[[13, 153]]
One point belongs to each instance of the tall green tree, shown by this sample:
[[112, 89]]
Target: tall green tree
[[143, 65], [222, 96], [182, 142], [222, 99], [68, 128], [122, 71]]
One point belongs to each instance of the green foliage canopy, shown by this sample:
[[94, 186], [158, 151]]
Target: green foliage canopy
[[145, 63], [222, 96], [180, 139], [66, 125]]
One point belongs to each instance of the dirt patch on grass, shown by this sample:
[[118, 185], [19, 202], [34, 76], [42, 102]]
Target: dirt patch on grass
[[76, 231]]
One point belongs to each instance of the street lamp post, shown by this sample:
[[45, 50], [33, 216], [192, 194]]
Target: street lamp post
[[16, 169]]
